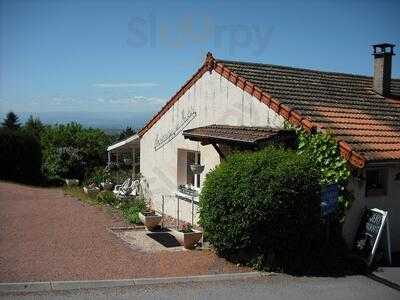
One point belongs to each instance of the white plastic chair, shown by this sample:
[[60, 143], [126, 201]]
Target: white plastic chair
[[128, 188]]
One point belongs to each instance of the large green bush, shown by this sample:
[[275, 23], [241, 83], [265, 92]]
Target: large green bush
[[263, 207], [20, 156], [71, 151]]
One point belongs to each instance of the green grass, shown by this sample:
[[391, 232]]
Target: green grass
[[129, 208], [77, 192]]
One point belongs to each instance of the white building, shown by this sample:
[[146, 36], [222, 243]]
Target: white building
[[362, 112]]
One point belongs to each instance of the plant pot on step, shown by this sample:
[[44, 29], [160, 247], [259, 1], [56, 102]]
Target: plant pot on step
[[187, 239], [150, 219]]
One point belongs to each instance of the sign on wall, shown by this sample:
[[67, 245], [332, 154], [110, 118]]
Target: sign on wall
[[373, 235], [329, 198], [161, 140]]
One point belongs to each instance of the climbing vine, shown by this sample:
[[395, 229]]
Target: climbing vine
[[324, 149]]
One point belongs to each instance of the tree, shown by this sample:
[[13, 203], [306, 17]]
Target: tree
[[70, 150], [126, 133], [34, 126], [20, 156], [11, 121]]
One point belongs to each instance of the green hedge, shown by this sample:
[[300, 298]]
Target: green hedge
[[20, 156], [264, 208]]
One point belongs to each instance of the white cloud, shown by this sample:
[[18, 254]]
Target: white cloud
[[62, 100], [126, 85], [142, 100]]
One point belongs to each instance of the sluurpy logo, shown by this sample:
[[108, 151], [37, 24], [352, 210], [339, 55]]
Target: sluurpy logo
[[151, 31]]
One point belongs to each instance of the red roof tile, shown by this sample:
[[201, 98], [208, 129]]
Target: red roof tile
[[365, 124]]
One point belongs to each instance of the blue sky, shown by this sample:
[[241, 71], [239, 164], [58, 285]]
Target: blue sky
[[131, 56]]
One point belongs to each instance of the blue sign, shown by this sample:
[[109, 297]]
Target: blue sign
[[329, 199]]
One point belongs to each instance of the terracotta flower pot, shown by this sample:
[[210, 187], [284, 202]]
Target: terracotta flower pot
[[150, 219], [187, 239]]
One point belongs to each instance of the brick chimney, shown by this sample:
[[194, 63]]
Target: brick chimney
[[382, 68]]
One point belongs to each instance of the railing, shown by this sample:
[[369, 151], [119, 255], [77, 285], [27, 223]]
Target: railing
[[179, 196]]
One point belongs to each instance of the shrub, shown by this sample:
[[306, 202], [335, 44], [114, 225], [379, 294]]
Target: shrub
[[98, 175], [263, 207], [20, 156], [107, 197], [131, 210]]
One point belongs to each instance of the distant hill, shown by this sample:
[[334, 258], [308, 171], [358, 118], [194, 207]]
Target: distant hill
[[111, 122]]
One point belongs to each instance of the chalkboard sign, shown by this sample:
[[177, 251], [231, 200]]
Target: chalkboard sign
[[370, 232]]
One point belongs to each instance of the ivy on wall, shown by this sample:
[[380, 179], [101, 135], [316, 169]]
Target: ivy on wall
[[324, 150]]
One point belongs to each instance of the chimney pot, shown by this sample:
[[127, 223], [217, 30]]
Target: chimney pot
[[382, 68]]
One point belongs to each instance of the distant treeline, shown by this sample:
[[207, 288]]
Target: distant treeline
[[37, 153]]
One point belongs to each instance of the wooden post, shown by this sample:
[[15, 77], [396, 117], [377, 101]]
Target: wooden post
[[109, 157]]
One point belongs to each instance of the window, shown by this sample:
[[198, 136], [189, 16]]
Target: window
[[376, 182], [185, 175]]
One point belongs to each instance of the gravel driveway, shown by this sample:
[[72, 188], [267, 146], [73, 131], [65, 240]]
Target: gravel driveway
[[46, 235]]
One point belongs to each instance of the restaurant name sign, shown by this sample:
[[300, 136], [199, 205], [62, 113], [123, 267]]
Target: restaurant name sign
[[163, 139]]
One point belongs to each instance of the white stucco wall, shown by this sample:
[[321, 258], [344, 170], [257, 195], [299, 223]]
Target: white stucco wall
[[390, 202], [216, 101]]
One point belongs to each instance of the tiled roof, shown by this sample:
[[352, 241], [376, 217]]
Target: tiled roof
[[236, 134], [343, 104], [365, 124]]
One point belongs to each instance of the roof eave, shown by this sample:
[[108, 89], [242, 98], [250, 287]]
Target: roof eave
[[132, 139]]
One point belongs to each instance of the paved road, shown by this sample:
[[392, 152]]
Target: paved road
[[271, 287], [45, 235]]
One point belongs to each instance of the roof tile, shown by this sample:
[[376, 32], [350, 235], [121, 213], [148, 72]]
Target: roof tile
[[343, 104]]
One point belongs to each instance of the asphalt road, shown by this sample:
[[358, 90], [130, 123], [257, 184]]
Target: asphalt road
[[267, 287]]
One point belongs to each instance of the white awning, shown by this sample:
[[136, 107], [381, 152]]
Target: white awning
[[129, 143]]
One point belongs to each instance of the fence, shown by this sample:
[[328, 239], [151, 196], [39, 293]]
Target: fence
[[182, 206]]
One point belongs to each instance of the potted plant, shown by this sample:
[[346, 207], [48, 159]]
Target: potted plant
[[187, 236], [150, 219], [91, 189], [197, 168], [72, 182]]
